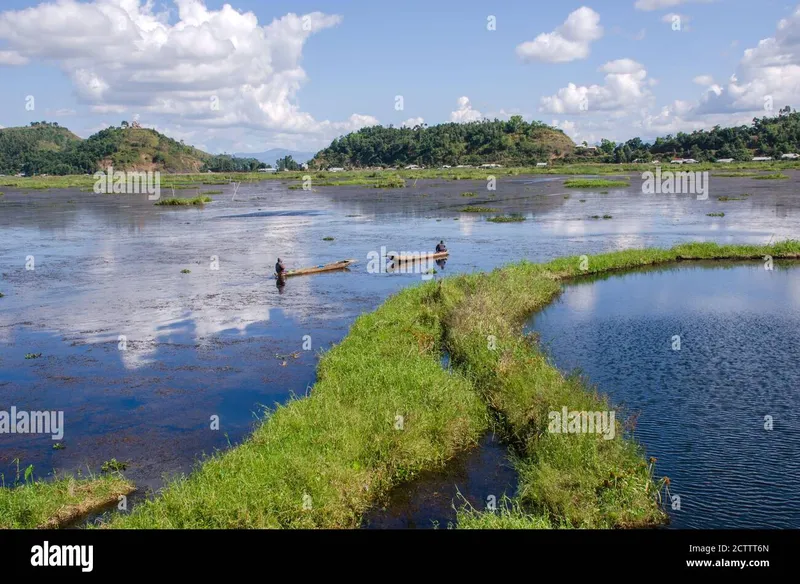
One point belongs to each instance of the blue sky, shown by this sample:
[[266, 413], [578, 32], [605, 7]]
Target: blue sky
[[638, 76]]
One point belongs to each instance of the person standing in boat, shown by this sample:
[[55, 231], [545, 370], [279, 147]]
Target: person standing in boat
[[440, 247], [280, 269]]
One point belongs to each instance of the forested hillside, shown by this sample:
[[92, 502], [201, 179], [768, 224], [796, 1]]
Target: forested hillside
[[45, 148], [512, 142]]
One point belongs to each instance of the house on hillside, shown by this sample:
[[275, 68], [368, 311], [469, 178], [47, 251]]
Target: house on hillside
[[335, 169], [676, 161], [464, 166], [762, 158], [725, 160], [589, 148], [541, 164], [412, 167], [790, 156], [267, 169]]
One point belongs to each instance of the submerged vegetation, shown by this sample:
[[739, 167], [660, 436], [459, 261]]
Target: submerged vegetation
[[383, 409], [773, 176], [715, 214]]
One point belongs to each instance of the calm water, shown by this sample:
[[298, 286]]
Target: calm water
[[213, 342], [701, 410]]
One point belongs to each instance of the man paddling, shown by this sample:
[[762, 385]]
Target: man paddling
[[279, 269], [441, 247]]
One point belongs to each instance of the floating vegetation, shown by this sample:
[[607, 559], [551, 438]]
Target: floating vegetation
[[594, 183], [476, 209], [212, 192], [735, 174], [513, 218], [186, 271], [469, 194], [113, 465], [715, 214], [327, 239], [741, 198], [583, 200], [607, 217], [58, 446], [184, 202], [1, 294], [32, 355]]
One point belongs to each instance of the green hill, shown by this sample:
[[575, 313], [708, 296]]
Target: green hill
[[44, 148], [512, 143]]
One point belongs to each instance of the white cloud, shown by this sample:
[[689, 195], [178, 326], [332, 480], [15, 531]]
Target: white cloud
[[650, 5], [214, 68], [568, 42], [465, 113], [625, 88], [768, 76], [12, 58], [412, 122], [705, 80]]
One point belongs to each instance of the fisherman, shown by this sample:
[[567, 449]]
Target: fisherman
[[280, 268], [441, 247]]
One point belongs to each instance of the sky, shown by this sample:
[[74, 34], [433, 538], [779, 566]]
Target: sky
[[249, 75]]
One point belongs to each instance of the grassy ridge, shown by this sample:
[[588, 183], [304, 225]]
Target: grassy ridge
[[321, 461], [59, 502], [578, 480]]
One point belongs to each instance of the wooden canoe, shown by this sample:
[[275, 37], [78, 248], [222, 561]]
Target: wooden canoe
[[340, 265], [416, 258]]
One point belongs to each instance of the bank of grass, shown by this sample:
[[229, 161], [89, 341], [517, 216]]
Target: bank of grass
[[382, 410], [177, 201], [594, 183], [59, 502], [565, 480]]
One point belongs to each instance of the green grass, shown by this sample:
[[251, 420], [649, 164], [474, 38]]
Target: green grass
[[594, 183], [773, 176], [59, 502], [171, 202], [715, 214], [477, 209], [513, 218], [565, 480], [321, 461]]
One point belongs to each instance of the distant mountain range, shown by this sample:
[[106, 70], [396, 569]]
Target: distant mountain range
[[271, 156]]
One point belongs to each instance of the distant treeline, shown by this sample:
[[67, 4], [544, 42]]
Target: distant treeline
[[516, 142], [47, 148], [767, 136], [509, 142]]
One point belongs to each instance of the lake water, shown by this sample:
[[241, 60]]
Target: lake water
[[226, 342], [707, 358]]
